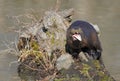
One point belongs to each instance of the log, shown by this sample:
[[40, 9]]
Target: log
[[43, 56]]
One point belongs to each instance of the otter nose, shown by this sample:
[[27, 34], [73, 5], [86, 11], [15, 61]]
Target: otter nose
[[76, 33]]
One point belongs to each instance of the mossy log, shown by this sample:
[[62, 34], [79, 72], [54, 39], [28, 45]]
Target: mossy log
[[43, 56]]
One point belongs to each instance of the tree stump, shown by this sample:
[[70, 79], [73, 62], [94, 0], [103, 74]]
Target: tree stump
[[43, 56]]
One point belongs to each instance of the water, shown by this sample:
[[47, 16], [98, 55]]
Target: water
[[105, 13]]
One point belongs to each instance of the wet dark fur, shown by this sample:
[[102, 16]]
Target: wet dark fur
[[90, 42]]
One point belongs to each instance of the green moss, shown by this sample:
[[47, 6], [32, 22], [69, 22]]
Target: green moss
[[52, 39], [104, 77], [107, 78], [68, 79], [48, 34], [85, 70], [101, 73], [97, 64], [34, 45]]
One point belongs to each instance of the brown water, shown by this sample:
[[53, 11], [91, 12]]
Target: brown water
[[105, 13]]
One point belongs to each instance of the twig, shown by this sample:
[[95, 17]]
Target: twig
[[31, 67], [58, 3]]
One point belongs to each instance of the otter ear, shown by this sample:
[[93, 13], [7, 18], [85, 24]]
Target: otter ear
[[78, 37]]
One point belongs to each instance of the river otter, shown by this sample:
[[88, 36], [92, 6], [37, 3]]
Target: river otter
[[81, 36]]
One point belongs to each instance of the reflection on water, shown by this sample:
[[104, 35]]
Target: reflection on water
[[102, 12]]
